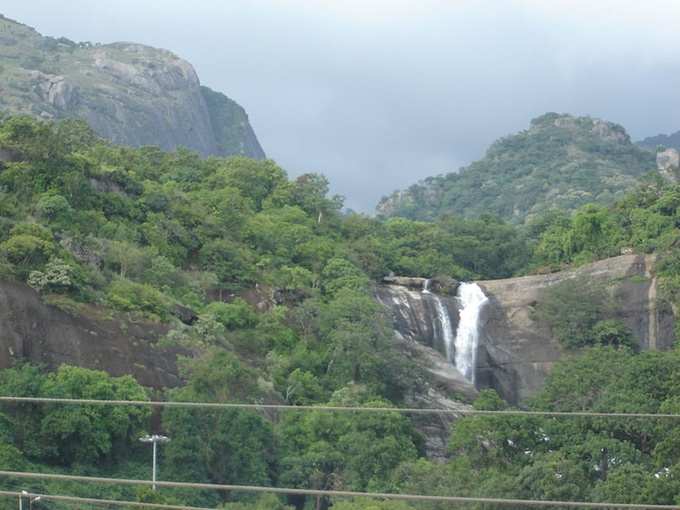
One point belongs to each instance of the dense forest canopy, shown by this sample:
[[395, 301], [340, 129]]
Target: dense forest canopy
[[138, 232]]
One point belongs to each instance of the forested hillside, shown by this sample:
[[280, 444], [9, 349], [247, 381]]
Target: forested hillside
[[560, 162], [138, 232]]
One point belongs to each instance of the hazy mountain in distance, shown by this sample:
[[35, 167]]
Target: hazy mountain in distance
[[560, 161], [671, 141]]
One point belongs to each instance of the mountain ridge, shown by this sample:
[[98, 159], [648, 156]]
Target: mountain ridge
[[560, 161]]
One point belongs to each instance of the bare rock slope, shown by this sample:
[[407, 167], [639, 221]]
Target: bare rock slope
[[517, 352], [31, 330], [129, 93]]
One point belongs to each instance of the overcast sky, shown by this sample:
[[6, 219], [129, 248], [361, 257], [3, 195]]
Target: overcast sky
[[377, 94]]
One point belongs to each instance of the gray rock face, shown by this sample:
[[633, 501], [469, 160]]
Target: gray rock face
[[419, 336], [129, 93], [516, 353], [668, 163], [415, 315], [33, 331]]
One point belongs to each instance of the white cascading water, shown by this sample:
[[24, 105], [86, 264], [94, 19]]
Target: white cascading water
[[472, 299], [444, 321]]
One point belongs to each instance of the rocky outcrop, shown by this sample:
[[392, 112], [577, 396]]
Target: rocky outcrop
[[668, 164], [129, 93], [7, 156], [419, 337], [414, 314], [34, 331], [440, 285], [410, 282], [517, 352]]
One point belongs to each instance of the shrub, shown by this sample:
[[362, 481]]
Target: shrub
[[53, 207], [235, 315], [612, 332], [56, 277], [136, 297], [571, 309], [26, 252]]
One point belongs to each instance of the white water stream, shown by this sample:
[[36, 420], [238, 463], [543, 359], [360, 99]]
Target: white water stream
[[472, 299], [444, 322]]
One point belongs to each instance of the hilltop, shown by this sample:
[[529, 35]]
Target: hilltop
[[561, 161], [129, 93]]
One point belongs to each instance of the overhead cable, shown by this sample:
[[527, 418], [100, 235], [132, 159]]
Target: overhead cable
[[326, 408], [340, 493]]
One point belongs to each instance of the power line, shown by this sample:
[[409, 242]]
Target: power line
[[338, 493], [97, 501], [284, 407]]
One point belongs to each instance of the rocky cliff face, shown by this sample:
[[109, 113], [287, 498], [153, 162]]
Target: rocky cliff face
[[668, 164], [129, 93], [515, 352], [420, 337], [34, 331], [420, 331]]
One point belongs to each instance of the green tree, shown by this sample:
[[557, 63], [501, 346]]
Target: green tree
[[222, 446], [572, 309]]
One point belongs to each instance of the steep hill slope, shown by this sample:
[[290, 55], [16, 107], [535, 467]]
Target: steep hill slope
[[129, 93], [560, 161]]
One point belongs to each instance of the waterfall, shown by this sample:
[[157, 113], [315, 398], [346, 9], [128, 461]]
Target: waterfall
[[444, 321], [472, 299], [423, 316]]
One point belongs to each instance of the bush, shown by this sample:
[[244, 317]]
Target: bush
[[612, 332], [235, 315], [56, 277], [53, 207], [136, 297], [572, 309], [26, 252]]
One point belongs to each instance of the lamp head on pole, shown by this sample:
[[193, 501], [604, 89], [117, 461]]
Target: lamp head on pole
[[155, 438]]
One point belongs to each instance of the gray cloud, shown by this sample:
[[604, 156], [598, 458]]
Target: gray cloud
[[380, 94]]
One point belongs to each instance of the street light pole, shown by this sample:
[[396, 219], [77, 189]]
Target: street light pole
[[154, 439], [31, 500], [21, 499]]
